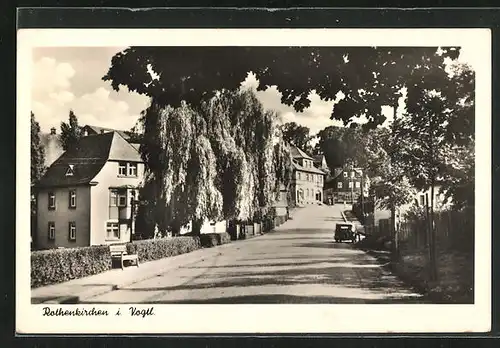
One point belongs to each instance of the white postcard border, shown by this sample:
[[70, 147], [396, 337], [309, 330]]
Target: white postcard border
[[282, 318]]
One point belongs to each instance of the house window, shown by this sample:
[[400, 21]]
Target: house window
[[345, 174], [122, 168], [112, 230], [350, 184], [71, 170], [132, 169], [352, 174], [339, 184], [122, 198], [52, 201], [118, 198], [52, 230], [307, 193], [113, 198], [358, 184], [298, 175], [72, 230], [422, 200], [72, 199]]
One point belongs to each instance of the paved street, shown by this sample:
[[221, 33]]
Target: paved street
[[298, 263]]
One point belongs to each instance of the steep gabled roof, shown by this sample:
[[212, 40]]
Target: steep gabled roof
[[87, 159], [122, 150], [298, 153], [310, 170]]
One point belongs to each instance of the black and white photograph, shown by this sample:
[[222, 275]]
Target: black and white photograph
[[244, 172]]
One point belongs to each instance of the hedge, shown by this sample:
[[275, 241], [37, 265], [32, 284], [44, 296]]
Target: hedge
[[155, 249], [225, 238], [209, 240], [60, 265]]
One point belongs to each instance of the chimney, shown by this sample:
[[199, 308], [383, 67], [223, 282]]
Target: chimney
[[52, 131]]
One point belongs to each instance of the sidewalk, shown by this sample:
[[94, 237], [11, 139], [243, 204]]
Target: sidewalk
[[76, 290]]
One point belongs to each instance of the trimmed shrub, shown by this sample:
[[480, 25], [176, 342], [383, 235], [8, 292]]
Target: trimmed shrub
[[224, 238], [155, 249], [209, 240], [59, 265]]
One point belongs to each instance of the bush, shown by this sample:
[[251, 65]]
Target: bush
[[225, 238], [60, 265], [155, 249], [209, 240]]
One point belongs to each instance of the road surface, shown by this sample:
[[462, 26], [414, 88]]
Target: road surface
[[298, 263]]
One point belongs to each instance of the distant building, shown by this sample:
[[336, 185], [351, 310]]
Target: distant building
[[88, 195], [320, 163], [346, 185], [417, 199], [127, 135], [92, 130], [307, 181]]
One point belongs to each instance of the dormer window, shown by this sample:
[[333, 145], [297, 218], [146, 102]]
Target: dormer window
[[127, 169], [132, 169], [71, 170], [122, 168]]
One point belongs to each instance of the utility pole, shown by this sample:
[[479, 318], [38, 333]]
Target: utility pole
[[352, 184], [362, 198]]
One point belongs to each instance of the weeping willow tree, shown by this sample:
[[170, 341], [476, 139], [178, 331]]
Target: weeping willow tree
[[180, 168], [241, 132], [215, 161], [283, 164]]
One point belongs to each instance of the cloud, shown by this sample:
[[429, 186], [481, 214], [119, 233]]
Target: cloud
[[316, 117], [53, 95], [49, 76]]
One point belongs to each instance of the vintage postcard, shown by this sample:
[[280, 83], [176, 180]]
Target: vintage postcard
[[253, 181]]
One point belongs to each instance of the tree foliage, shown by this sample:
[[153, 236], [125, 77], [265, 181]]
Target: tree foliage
[[70, 132], [368, 77], [297, 135], [37, 152], [440, 124], [221, 167]]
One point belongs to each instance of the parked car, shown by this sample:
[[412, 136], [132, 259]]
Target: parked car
[[345, 231]]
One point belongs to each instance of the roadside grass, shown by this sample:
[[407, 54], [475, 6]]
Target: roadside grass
[[455, 283]]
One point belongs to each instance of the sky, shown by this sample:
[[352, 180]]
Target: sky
[[70, 78]]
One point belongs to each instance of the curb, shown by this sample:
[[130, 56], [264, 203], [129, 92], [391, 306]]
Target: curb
[[74, 299]]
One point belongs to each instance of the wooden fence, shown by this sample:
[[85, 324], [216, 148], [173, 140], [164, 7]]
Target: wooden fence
[[453, 230]]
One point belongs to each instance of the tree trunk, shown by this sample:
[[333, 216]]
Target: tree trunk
[[394, 232], [196, 227], [433, 237]]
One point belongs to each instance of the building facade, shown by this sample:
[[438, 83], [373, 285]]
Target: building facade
[[307, 181], [88, 196], [346, 185]]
